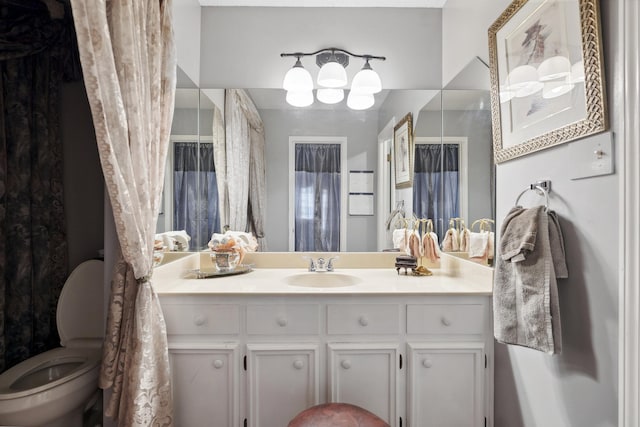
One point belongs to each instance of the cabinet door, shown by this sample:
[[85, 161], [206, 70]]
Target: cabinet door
[[282, 381], [205, 386], [365, 375], [445, 384]]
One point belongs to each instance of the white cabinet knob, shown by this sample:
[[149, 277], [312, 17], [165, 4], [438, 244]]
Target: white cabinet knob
[[427, 363], [363, 321], [346, 364], [298, 364], [281, 321], [445, 321], [199, 320], [218, 363]]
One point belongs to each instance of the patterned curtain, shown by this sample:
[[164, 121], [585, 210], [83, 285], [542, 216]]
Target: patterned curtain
[[240, 165], [128, 60], [35, 57]]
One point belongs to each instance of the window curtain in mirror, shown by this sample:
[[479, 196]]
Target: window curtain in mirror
[[128, 60], [195, 192], [436, 190], [36, 56], [317, 197], [240, 166]]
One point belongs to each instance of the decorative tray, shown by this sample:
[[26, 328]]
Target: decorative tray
[[207, 273]]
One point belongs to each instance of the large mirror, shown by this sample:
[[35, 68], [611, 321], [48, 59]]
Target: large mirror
[[454, 118]]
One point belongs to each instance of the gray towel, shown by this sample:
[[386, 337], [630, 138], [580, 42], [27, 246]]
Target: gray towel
[[525, 294]]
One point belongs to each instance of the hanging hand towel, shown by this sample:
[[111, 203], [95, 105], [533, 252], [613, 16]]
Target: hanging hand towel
[[525, 294], [464, 240]]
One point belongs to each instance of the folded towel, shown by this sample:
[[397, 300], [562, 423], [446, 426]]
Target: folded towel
[[525, 295], [447, 243], [464, 240], [399, 238], [478, 244], [176, 240], [436, 245], [451, 241]]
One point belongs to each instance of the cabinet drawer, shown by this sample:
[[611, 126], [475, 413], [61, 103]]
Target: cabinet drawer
[[363, 319], [190, 319], [282, 319], [445, 319]]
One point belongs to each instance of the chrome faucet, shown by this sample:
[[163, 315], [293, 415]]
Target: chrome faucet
[[321, 264]]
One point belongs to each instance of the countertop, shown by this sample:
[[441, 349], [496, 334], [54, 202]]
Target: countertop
[[454, 277]]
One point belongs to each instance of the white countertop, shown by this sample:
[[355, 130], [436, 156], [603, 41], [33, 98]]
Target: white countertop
[[261, 281]]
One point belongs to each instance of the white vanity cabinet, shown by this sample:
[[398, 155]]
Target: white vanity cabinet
[[415, 360]]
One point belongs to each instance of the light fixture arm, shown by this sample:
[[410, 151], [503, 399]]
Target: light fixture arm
[[332, 50]]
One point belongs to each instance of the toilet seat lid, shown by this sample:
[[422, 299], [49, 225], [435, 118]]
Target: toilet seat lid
[[80, 311]]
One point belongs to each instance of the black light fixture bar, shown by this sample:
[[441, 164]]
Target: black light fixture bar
[[332, 50]]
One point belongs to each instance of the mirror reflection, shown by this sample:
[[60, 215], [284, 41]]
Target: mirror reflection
[[453, 167]]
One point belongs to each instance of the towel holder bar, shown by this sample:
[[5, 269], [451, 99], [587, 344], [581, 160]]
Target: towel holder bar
[[542, 188]]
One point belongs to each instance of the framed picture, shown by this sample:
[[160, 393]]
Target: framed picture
[[403, 151], [547, 79]]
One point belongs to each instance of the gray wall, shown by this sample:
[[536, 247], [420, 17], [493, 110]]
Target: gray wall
[[83, 179], [241, 46], [360, 128], [578, 387]]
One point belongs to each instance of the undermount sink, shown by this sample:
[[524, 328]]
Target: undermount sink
[[322, 280]]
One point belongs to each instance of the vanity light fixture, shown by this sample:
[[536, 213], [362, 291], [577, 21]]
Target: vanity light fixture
[[332, 79]]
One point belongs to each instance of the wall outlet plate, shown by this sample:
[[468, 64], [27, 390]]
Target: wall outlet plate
[[592, 156]]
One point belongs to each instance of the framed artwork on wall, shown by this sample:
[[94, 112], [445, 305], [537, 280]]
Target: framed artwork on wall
[[547, 78], [403, 151]]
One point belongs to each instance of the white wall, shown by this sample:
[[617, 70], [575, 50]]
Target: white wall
[[578, 387], [186, 25]]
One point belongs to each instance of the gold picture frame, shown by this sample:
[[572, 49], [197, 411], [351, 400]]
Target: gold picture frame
[[403, 151], [531, 112]]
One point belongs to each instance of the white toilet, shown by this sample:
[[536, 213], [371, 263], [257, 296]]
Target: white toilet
[[54, 388]]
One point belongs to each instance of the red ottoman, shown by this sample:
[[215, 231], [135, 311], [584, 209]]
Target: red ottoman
[[336, 415]]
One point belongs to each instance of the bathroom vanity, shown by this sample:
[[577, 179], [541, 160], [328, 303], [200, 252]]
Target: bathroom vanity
[[257, 348]]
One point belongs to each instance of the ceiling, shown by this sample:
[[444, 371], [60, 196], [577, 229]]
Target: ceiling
[[326, 3]]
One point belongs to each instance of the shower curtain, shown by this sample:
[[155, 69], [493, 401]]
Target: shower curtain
[[36, 56], [129, 64]]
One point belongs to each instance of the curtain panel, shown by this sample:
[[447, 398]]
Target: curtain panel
[[36, 56], [195, 192], [317, 197], [240, 166], [128, 61], [436, 184]]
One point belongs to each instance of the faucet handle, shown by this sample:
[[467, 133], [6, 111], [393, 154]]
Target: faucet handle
[[330, 263], [312, 265]]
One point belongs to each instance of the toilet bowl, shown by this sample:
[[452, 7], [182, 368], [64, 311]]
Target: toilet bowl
[[54, 388]]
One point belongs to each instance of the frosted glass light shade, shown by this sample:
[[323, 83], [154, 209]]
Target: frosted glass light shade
[[332, 75], [523, 81], [556, 88], [554, 68], [300, 99], [360, 101], [330, 96], [366, 81], [297, 79]]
